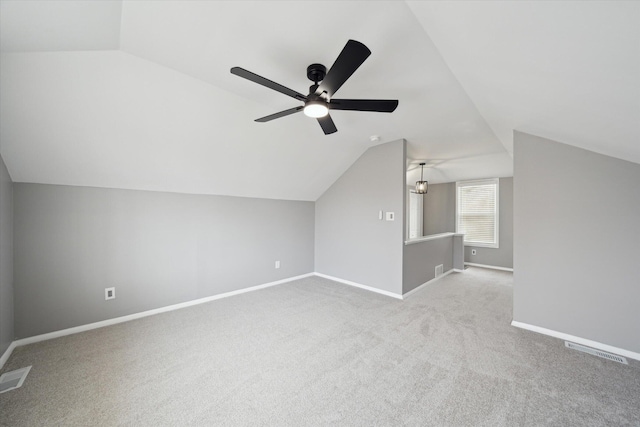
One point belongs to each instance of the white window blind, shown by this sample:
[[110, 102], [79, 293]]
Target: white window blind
[[415, 215], [477, 212]]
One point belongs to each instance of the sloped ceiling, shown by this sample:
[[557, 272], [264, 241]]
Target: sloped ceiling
[[138, 94], [565, 70]]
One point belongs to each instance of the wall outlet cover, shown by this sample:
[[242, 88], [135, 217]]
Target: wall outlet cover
[[390, 216], [109, 293]]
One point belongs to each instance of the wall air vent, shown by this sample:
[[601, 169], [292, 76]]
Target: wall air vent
[[595, 352], [14, 379], [439, 270]]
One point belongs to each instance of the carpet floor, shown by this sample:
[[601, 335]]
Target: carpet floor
[[315, 352]]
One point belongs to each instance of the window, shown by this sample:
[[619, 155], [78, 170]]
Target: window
[[415, 215], [477, 212]]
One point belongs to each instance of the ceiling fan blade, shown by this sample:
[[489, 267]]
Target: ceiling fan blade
[[241, 72], [327, 125], [351, 57], [280, 114], [379, 105]]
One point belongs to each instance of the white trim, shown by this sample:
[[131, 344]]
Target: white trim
[[578, 340], [116, 320], [7, 353], [458, 270], [493, 267], [414, 290], [481, 245], [431, 237], [359, 285]]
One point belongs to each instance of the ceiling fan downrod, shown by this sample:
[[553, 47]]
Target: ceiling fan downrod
[[315, 73]]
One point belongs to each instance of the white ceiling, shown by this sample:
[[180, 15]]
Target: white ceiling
[[565, 70], [138, 94], [31, 26]]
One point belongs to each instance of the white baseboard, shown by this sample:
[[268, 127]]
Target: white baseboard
[[458, 270], [116, 320], [7, 353], [425, 284], [359, 285], [578, 340], [492, 267]]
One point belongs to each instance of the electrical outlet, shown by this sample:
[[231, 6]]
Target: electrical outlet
[[473, 251], [277, 264], [109, 293]]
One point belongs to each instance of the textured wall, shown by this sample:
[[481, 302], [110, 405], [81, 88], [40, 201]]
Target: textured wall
[[577, 226], [351, 242], [157, 249], [6, 259]]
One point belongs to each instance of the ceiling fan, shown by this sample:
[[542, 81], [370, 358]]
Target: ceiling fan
[[325, 84]]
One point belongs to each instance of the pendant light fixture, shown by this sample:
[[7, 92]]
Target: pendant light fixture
[[422, 186]]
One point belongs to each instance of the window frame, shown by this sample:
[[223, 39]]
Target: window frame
[[489, 181], [420, 217]]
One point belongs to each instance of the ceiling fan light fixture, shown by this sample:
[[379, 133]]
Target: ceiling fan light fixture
[[315, 109]]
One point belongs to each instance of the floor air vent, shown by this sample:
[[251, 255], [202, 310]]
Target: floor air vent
[[14, 379], [595, 352]]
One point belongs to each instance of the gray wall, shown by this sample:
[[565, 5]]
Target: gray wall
[[157, 249], [439, 209], [577, 226], [420, 260], [458, 252], [6, 258], [440, 216], [503, 255], [351, 242]]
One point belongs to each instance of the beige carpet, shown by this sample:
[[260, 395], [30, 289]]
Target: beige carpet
[[314, 352]]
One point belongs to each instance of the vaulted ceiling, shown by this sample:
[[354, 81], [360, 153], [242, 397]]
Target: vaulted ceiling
[[138, 94]]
